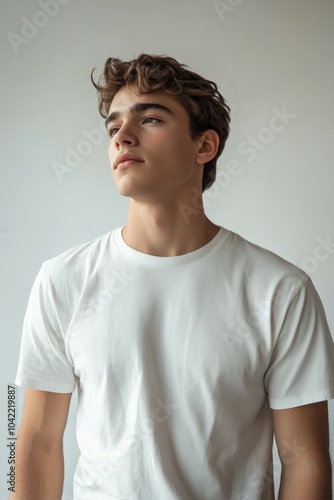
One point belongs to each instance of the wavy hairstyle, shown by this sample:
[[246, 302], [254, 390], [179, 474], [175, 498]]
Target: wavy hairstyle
[[206, 107]]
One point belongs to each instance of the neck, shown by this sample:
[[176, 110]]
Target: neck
[[167, 231]]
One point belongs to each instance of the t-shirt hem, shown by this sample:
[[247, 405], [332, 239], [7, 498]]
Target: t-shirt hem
[[43, 385], [285, 403]]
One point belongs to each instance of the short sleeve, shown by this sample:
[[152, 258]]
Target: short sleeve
[[301, 370], [43, 363]]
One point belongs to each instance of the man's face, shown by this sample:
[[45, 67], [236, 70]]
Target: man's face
[[160, 138]]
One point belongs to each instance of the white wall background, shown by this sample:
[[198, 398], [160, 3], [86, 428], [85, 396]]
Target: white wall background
[[263, 54]]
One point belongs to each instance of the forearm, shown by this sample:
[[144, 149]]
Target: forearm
[[308, 480], [39, 470]]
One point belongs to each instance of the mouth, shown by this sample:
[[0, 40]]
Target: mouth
[[125, 158], [126, 164]]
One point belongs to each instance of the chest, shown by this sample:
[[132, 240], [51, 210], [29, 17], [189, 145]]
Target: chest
[[200, 336]]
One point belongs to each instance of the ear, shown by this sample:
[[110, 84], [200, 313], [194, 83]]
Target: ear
[[208, 145]]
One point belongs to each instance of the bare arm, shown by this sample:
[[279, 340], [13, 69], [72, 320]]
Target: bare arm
[[40, 463], [302, 437]]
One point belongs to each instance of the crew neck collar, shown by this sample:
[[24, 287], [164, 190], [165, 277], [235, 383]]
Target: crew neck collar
[[178, 260]]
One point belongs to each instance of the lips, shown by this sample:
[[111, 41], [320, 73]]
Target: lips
[[126, 157]]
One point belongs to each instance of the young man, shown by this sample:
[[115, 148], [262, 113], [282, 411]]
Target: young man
[[189, 345]]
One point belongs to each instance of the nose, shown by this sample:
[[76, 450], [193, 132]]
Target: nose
[[124, 136]]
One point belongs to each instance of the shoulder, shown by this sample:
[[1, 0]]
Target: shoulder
[[78, 261], [263, 267]]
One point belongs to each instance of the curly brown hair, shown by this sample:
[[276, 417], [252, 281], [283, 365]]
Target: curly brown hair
[[206, 107]]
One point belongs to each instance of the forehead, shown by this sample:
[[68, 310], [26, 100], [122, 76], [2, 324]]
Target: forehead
[[129, 95]]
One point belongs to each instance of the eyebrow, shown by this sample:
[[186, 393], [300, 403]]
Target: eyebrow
[[138, 108]]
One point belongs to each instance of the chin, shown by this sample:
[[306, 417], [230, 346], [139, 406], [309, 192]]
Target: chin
[[131, 190], [129, 193]]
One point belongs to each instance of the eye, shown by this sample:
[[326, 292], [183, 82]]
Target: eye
[[114, 130], [151, 118]]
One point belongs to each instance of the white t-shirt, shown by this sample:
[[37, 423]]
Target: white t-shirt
[[177, 361]]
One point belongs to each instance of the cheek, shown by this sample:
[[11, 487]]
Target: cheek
[[181, 151], [111, 150], [172, 147]]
